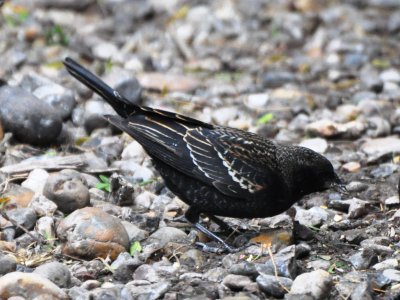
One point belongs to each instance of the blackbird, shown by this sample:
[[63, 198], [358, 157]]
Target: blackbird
[[216, 170]]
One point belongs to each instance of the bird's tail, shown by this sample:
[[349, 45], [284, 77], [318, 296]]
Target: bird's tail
[[122, 106]]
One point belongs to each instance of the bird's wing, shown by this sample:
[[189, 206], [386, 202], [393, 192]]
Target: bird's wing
[[239, 164], [232, 161]]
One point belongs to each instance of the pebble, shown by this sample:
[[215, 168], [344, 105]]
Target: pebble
[[314, 216], [352, 167], [124, 266], [149, 292], [386, 264], [134, 151], [36, 180], [392, 274], [56, 272], [390, 75], [274, 286], [134, 232], [223, 115], [236, 282], [317, 283], [29, 286], [42, 206], [275, 79], [147, 273], [376, 148], [319, 145], [18, 196], [256, 101], [215, 274], [29, 119], [165, 235], [132, 169], [125, 84], [89, 233], [8, 264], [167, 82], [26, 217], [93, 113], [67, 190], [362, 260], [363, 291], [193, 258], [284, 262]]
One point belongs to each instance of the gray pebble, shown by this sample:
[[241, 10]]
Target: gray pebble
[[7, 264], [273, 286], [317, 283], [55, 272], [25, 217]]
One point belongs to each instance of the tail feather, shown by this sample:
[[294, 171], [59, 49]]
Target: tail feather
[[122, 106]]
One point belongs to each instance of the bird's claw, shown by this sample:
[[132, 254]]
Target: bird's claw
[[218, 250]]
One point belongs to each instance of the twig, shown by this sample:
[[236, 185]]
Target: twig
[[275, 269], [3, 214]]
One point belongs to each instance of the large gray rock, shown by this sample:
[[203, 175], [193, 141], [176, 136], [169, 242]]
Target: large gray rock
[[29, 119]]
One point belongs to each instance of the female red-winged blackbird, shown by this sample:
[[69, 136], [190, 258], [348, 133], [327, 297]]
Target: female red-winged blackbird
[[216, 170]]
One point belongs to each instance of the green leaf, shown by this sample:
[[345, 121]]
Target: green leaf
[[135, 248], [146, 182], [265, 118], [104, 184]]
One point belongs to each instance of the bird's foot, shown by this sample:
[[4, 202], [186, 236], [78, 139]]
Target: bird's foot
[[218, 250]]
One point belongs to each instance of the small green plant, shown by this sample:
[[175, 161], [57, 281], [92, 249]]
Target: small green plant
[[265, 118], [56, 35], [337, 266], [146, 182], [15, 15], [135, 248], [104, 185]]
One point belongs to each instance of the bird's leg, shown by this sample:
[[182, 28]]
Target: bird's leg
[[193, 216], [223, 225]]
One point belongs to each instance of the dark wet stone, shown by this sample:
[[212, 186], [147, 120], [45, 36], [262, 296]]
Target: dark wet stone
[[29, 119], [284, 262], [244, 268]]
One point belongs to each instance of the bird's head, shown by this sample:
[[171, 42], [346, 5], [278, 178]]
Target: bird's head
[[312, 172]]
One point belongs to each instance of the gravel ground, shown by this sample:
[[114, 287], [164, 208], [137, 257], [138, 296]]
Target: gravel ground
[[83, 213]]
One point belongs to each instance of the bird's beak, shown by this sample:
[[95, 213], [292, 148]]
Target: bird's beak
[[339, 186]]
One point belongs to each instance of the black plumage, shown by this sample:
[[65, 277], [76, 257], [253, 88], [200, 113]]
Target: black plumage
[[216, 170]]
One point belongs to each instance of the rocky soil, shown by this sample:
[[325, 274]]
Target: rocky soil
[[83, 213]]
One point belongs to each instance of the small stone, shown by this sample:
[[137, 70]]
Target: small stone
[[134, 151], [165, 235], [256, 101], [236, 282], [314, 216], [193, 258], [30, 286], [146, 272], [284, 262], [67, 190], [215, 274], [225, 114], [319, 264], [275, 79], [363, 291], [145, 199], [357, 208], [134, 232], [18, 196], [104, 51], [36, 180], [26, 217], [55, 272], [124, 266], [167, 82], [317, 283], [392, 274], [42, 206], [386, 264], [362, 260], [352, 167], [390, 75], [319, 145], [392, 201], [149, 292], [89, 233], [8, 264], [45, 227], [274, 286]]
